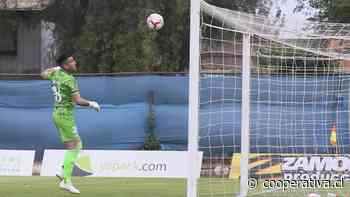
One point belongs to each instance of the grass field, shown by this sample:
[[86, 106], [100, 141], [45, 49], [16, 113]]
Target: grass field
[[131, 187]]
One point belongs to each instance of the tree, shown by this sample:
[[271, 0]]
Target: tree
[[330, 10], [69, 18], [112, 36]]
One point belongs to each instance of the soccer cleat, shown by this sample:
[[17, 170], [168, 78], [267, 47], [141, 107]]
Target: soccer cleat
[[69, 187], [60, 175]]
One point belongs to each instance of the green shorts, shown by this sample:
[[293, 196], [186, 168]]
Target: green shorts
[[65, 124]]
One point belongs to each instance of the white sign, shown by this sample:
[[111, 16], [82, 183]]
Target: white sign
[[315, 167], [16, 162], [111, 163]]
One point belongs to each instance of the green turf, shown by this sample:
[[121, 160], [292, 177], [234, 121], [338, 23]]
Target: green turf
[[91, 187], [133, 187]]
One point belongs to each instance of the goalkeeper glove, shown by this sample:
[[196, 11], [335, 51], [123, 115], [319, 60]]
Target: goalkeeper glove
[[94, 105]]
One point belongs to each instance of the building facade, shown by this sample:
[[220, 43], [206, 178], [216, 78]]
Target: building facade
[[23, 36]]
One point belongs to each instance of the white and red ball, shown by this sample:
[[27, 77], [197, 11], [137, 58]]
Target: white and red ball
[[155, 21]]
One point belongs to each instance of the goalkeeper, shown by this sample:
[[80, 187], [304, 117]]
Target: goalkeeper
[[66, 93]]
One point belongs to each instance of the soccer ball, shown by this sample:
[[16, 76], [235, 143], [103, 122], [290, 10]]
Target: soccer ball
[[155, 21]]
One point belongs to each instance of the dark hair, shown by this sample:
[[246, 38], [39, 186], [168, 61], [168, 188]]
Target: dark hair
[[62, 58]]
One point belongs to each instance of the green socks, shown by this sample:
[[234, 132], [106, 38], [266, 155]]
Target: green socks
[[69, 159]]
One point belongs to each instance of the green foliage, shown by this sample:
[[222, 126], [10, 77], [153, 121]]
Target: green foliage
[[112, 36], [151, 140], [111, 33], [331, 10]]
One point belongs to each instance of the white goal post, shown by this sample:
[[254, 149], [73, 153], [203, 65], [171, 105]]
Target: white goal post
[[193, 111]]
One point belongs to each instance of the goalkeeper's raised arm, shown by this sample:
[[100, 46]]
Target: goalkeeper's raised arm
[[45, 74]]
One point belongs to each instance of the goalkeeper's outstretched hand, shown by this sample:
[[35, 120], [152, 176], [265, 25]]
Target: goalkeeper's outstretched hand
[[94, 105]]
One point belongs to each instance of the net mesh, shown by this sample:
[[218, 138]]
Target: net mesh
[[298, 104]]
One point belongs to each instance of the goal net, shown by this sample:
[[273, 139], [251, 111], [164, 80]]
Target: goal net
[[273, 105]]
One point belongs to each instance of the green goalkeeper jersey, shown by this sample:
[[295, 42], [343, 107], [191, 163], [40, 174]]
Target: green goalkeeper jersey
[[63, 86]]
